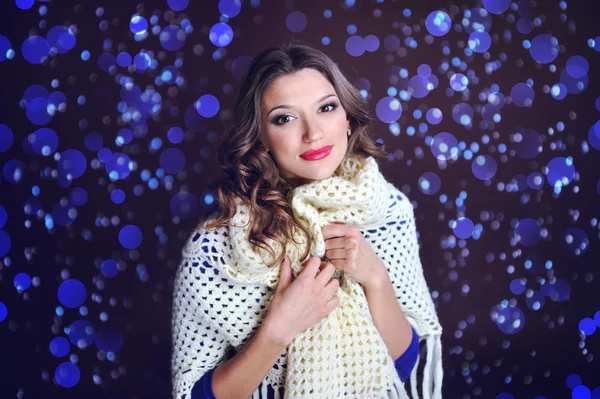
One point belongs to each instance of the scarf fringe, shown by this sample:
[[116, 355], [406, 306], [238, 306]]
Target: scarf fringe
[[433, 368], [262, 392], [399, 391], [433, 373]]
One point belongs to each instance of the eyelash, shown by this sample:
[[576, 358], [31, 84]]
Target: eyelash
[[277, 118]]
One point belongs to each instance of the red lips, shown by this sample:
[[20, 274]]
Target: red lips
[[310, 154]]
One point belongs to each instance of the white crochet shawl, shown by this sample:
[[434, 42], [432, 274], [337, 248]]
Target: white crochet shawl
[[343, 355]]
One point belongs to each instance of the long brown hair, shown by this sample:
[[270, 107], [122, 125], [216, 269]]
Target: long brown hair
[[252, 174]]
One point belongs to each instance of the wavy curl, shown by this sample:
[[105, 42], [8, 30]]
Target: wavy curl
[[252, 174]]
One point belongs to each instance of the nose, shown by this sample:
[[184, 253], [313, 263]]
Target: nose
[[312, 131]]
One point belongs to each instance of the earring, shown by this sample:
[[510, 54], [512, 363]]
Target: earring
[[349, 132]]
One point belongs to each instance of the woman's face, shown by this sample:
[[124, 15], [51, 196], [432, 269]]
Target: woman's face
[[301, 112]]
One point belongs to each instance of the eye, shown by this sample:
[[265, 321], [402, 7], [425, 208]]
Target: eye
[[277, 119], [332, 105]]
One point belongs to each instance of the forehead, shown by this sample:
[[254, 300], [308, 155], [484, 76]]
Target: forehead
[[304, 85]]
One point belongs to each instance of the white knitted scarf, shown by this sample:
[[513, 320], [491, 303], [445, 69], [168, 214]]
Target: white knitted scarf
[[343, 355]]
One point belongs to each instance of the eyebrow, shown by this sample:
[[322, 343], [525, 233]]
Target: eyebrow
[[289, 106]]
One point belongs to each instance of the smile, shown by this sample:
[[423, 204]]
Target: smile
[[317, 155]]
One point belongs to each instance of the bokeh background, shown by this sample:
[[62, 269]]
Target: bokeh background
[[109, 118]]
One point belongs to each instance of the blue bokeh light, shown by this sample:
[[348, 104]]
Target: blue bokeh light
[[544, 48], [22, 281], [109, 268], [81, 333], [484, 167], [496, 6], [73, 163], [438, 23], [230, 8], [67, 375], [172, 38], [138, 25], [388, 109], [130, 236], [221, 35], [184, 205], [60, 346], [3, 311], [108, 339], [35, 49], [527, 231], [6, 137], [463, 227], [296, 21], [207, 105], [178, 5], [72, 293]]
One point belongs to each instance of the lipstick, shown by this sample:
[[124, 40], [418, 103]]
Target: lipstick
[[315, 155]]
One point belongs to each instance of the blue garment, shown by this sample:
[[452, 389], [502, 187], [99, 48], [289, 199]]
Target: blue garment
[[406, 362], [404, 365]]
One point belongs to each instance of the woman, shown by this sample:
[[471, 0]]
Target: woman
[[307, 282]]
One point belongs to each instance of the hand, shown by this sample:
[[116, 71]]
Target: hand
[[348, 250], [301, 303]]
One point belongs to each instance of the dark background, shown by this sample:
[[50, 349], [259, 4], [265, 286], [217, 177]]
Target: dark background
[[546, 358]]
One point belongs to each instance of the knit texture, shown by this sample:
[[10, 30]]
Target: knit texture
[[343, 354], [404, 364]]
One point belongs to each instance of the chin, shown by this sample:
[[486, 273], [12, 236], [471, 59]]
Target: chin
[[318, 170], [322, 170]]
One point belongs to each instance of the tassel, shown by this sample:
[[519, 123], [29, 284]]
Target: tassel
[[437, 366], [433, 373], [264, 391], [427, 384], [399, 391], [413, 379], [432, 387]]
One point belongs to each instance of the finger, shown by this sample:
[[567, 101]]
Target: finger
[[325, 274], [335, 243], [339, 264], [334, 229], [311, 267], [331, 288], [336, 254], [323, 266]]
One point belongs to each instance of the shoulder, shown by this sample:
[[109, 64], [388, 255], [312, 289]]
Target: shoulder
[[398, 201], [203, 257], [205, 241]]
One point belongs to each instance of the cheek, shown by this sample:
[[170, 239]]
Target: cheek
[[280, 144], [341, 121]]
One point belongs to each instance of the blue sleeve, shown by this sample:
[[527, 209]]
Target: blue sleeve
[[406, 362], [203, 387]]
